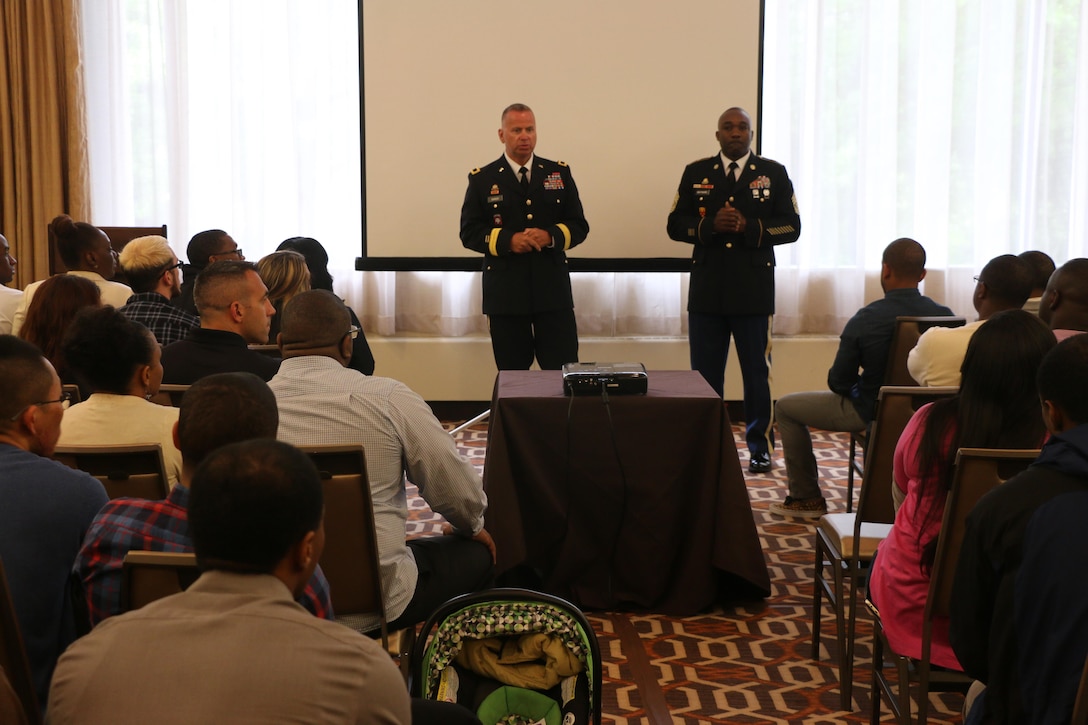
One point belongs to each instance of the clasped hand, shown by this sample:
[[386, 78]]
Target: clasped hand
[[530, 240], [729, 220]]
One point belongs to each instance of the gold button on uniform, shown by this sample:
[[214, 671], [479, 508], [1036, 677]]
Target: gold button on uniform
[[729, 245], [529, 217]]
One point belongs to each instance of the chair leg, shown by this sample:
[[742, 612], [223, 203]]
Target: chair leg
[[903, 686], [923, 692], [850, 474], [840, 637], [874, 687], [817, 598], [846, 675]]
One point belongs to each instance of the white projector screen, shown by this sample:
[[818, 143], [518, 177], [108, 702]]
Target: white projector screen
[[625, 91]]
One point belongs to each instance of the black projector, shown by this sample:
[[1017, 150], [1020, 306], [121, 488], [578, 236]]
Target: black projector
[[590, 378]]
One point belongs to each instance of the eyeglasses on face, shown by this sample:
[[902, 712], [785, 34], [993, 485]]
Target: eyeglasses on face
[[353, 331], [173, 266], [236, 250], [65, 400]]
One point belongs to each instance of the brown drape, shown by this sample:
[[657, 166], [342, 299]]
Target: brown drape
[[43, 136]]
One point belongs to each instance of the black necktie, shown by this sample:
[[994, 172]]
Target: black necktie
[[524, 178], [731, 174]]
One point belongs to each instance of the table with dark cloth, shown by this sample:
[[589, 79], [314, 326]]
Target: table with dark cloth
[[645, 509]]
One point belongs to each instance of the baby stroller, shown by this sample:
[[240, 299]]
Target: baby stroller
[[512, 656]]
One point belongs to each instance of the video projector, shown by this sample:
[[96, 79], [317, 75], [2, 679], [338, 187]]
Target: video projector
[[590, 378]]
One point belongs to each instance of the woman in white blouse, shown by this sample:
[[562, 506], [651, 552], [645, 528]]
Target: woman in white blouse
[[119, 360]]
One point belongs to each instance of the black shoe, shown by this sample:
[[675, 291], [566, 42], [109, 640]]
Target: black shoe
[[759, 462]]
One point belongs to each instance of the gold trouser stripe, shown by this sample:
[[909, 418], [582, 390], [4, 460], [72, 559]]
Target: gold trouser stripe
[[493, 241], [566, 236]]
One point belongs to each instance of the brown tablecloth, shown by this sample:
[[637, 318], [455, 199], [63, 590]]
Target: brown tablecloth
[[645, 508]]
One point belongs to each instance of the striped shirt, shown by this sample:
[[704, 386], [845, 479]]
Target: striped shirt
[[323, 403]]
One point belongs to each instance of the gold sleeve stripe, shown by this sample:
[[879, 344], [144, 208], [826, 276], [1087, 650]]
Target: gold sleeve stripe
[[493, 241], [566, 236], [788, 229]]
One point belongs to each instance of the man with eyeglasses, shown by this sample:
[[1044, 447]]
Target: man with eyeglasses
[[154, 273], [322, 401], [234, 313], [45, 507], [1004, 284], [204, 248]]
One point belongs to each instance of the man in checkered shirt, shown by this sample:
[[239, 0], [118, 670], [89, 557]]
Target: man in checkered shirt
[[154, 273]]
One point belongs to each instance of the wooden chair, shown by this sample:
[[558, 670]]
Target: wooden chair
[[170, 394], [904, 337], [119, 237], [350, 559], [150, 575], [978, 470], [135, 471], [845, 543], [73, 391], [13, 657]]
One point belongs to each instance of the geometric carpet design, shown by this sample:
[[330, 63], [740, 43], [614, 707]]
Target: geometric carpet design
[[743, 664]]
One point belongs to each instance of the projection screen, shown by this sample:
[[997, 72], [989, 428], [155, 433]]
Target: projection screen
[[627, 92]]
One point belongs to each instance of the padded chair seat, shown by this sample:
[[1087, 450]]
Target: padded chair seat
[[840, 529]]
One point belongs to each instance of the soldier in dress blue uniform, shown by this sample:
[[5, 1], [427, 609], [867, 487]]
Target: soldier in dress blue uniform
[[522, 213], [734, 207]]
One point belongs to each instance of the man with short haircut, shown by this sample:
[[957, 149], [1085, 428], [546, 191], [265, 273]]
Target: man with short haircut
[[734, 208], [9, 297], [1042, 266], [1022, 632], [216, 410], [45, 507], [1065, 302], [850, 404], [321, 401], [234, 312], [1004, 284], [523, 212], [234, 647], [152, 270], [212, 245]]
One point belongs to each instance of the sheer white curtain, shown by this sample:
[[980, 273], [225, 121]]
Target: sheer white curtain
[[959, 124]]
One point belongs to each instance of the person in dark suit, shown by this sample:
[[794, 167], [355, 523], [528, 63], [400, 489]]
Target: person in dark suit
[[734, 207], [523, 213]]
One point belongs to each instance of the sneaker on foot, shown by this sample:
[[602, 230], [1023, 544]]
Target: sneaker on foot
[[802, 508], [759, 462]]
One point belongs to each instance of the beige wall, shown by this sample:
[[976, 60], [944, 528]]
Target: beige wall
[[463, 368]]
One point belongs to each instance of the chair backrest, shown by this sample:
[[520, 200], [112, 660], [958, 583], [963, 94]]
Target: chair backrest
[[150, 575], [136, 471], [170, 394], [119, 237], [350, 559], [907, 331], [978, 470], [73, 391], [13, 658], [894, 408]]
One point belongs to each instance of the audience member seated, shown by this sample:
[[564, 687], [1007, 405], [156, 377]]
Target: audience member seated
[[153, 271], [317, 259], [234, 311], [997, 407], [1065, 301], [45, 507], [51, 313], [850, 403], [286, 275], [1004, 284], [204, 248], [321, 401], [118, 361], [991, 611], [9, 298], [218, 410], [1042, 266], [86, 252], [234, 647]]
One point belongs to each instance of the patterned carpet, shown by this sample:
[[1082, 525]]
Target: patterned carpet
[[740, 664]]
